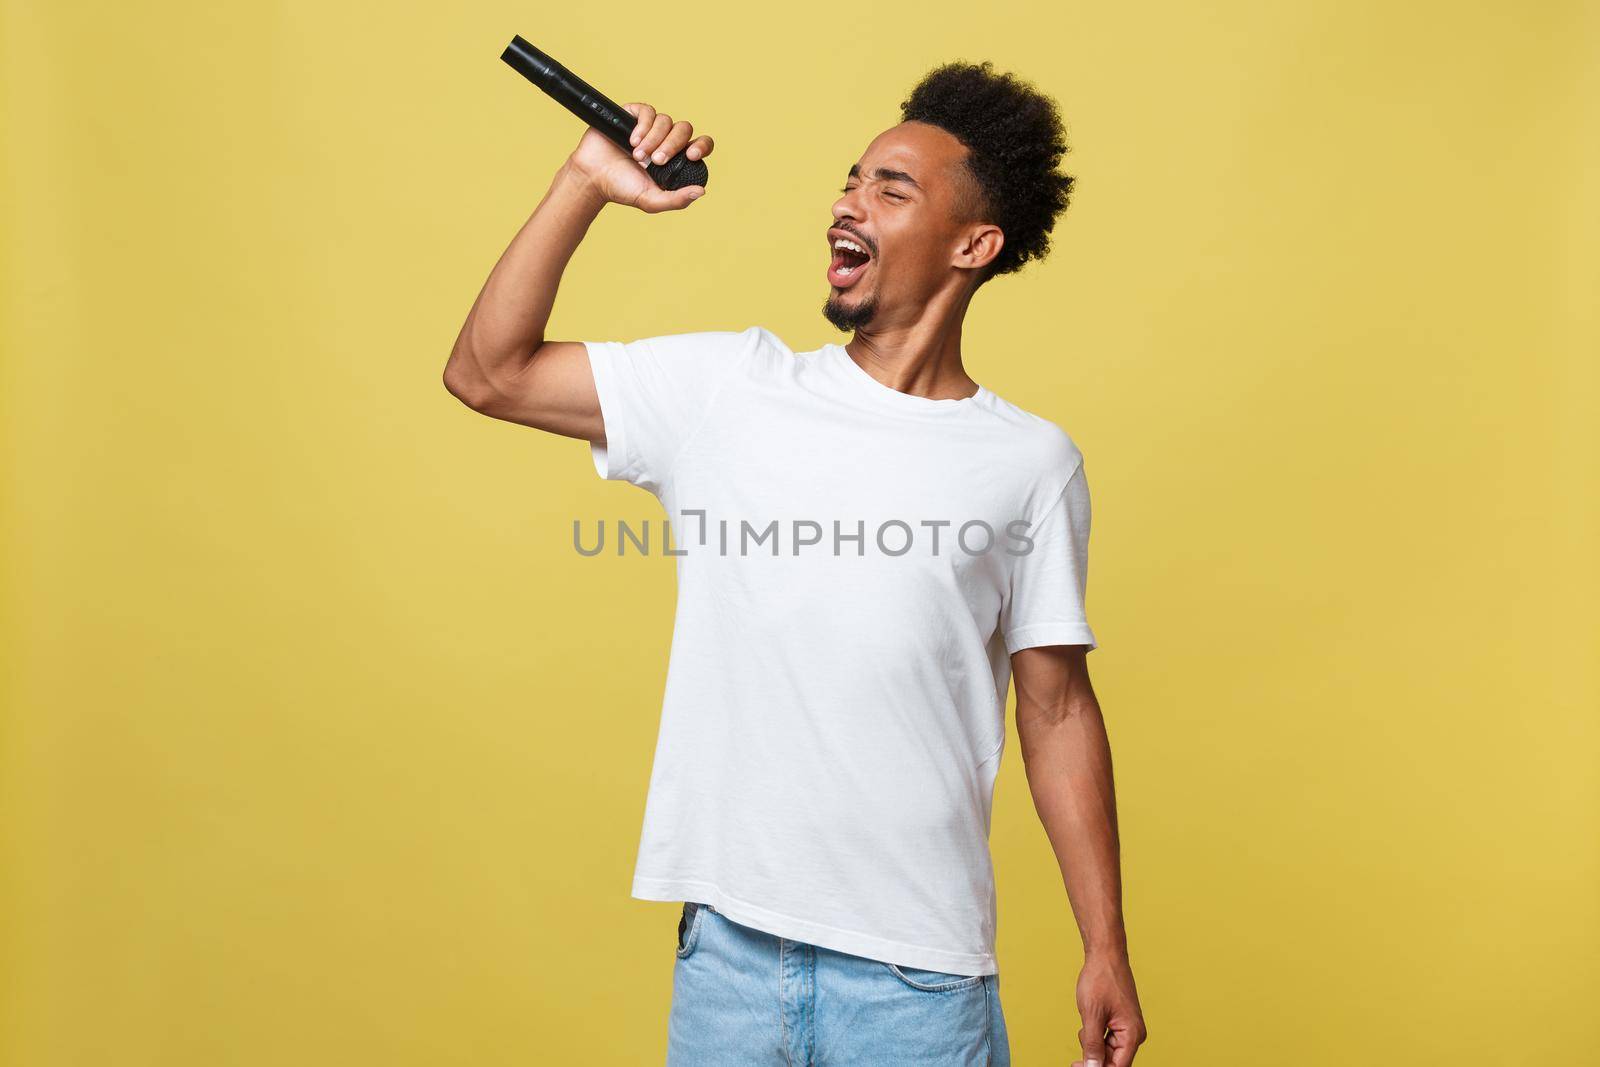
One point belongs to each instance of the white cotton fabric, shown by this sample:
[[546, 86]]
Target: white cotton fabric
[[833, 723]]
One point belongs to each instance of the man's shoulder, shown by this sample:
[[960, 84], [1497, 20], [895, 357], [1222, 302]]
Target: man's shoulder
[[749, 338], [1039, 443], [752, 344], [700, 356]]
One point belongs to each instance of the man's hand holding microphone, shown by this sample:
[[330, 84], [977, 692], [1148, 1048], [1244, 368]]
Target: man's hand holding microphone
[[631, 153], [618, 178]]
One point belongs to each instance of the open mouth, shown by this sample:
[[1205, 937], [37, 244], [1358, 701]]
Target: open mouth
[[850, 259]]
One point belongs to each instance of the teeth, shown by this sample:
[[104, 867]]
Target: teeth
[[851, 245]]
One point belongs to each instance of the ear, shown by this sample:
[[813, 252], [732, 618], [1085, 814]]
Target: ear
[[979, 246]]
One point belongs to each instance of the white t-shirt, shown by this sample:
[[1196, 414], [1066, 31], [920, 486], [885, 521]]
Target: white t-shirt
[[834, 713]]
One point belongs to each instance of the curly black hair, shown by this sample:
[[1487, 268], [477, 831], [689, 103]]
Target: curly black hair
[[1014, 141]]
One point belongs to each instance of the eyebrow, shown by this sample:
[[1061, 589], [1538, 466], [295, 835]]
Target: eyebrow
[[887, 174]]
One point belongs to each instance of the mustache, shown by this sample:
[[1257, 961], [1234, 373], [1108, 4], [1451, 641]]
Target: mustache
[[872, 246]]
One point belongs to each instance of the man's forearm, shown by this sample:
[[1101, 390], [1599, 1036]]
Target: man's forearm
[[508, 319], [1068, 762]]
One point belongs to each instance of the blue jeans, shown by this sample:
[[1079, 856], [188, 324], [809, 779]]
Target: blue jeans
[[744, 998]]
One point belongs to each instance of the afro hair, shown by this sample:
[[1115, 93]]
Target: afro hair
[[1014, 141]]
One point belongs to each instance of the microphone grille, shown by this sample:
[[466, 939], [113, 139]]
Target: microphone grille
[[678, 172]]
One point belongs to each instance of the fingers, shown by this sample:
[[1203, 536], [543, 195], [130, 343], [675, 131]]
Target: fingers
[[1124, 1042], [1093, 1039], [699, 147], [646, 117], [655, 200], [673, 142], [656, 138], [653, 137]]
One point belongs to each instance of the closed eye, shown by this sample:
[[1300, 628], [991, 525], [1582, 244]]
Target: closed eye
[[887, 192]]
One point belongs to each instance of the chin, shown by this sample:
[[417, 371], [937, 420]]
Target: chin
[[849, 315]]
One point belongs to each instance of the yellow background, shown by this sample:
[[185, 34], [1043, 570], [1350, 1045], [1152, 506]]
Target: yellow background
[[322, 745]]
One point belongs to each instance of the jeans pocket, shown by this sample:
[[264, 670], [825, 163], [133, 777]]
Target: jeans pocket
[[934, 981], [689, 927]]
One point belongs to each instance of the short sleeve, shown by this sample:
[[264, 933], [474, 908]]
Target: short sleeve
[[654, 393], [1045, 604]]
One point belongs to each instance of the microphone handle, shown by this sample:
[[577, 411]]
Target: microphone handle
[[598, 110]]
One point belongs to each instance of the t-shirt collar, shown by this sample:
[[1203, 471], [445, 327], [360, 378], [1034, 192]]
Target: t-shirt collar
[[887, 395]]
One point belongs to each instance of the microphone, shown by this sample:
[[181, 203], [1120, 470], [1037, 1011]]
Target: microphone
[[595, 108]]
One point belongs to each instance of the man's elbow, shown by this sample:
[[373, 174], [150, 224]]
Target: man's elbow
[[475, 382], [466, 385], [488, 383]]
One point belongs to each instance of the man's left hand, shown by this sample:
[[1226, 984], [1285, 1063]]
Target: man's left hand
[[1108, 1003]]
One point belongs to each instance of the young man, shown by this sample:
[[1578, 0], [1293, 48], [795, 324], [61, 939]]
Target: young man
[[871, 544]]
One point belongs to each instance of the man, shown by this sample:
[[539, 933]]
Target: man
[[870, 545]]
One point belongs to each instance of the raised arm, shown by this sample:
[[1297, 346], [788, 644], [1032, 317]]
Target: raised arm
[[501, 365], [1068, 762]]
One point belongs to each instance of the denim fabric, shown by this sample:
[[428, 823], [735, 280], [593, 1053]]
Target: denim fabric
[[745, 998]]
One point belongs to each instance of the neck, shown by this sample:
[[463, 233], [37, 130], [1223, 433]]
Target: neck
[[922, 356]]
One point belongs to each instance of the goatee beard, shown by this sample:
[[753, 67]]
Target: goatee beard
[[849, 317]]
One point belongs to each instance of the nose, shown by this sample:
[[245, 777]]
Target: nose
[[847, 206]]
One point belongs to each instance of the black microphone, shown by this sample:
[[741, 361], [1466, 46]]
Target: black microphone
[[593, 107]]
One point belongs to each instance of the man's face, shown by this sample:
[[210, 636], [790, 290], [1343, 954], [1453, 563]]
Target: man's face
[[906, 204]]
